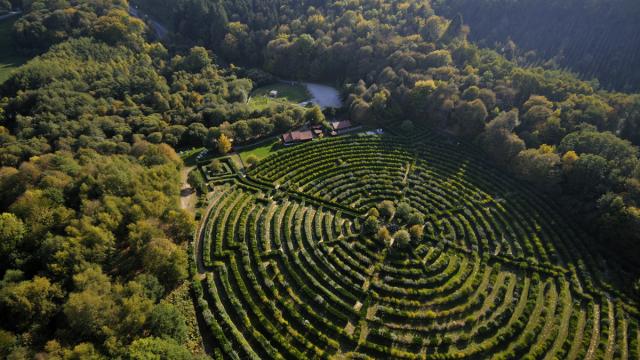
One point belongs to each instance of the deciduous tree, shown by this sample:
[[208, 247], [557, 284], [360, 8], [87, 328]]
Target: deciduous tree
[[224, 144]]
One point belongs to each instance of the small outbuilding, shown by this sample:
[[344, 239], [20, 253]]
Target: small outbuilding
[[273, 93], [341, 127]]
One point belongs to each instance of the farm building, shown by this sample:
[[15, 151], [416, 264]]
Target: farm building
[[341, 127], [298, 136]]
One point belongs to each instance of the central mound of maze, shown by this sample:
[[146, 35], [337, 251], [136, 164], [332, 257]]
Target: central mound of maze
[[286, 272]]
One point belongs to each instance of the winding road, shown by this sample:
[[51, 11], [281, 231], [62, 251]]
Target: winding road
[[160, 30], [10, 14]]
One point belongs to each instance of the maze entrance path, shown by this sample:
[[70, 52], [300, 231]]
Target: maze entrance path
[[499, 273]]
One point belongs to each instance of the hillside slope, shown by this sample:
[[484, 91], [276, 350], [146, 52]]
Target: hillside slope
[[598, 38]]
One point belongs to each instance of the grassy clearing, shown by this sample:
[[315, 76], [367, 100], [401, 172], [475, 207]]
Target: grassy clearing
[[293, 93], [259, 103], [261, 151], [9, 58], [236, 160]]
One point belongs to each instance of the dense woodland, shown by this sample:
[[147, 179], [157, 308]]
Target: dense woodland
[[597, 39], [92, 237]]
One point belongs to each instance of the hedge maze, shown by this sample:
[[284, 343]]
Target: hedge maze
[[286, 270]]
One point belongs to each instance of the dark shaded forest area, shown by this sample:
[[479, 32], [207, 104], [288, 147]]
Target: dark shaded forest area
[[597, 39]]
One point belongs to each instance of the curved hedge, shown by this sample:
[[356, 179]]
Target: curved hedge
[[499, 274]]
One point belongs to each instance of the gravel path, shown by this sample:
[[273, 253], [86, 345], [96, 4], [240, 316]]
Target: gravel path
[[188, 197]]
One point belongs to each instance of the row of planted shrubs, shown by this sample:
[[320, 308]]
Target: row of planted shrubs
[[327, 277]]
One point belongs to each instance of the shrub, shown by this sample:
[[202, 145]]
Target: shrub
[[370, 226], [416, 232], [216, 166], [196, 181], [252, 160], [383, 235], [402, 239], [387, 209], [404, 211]]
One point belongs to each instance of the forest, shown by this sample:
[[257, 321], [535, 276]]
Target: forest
[[92, 238], [595, 39]]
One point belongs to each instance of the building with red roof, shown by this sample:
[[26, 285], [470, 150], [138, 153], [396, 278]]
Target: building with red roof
[[297, 136]]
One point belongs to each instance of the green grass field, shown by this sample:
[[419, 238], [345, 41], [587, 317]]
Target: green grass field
[[260, 103], [9, 59], [261, 151], [293, 93]]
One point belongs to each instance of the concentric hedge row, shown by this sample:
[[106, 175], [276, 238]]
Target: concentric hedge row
[[499, 273]]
